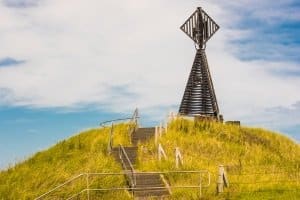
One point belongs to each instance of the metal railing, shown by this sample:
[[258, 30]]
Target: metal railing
[[88, 189], [104, 123], [132, 119], [130, 172], [198, 186], [132, 125], [60, 186], [110, 142], [135, 116]]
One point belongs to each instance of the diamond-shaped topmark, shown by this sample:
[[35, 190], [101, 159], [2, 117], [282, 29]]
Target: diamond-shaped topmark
[[200, 27]]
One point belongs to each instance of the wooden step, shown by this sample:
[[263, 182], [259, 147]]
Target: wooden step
[[150, 185], [130, 151], [150, 129], [142, 135], [147, 184], [152, 193]]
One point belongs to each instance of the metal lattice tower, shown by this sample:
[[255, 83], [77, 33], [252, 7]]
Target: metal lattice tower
[[199, 98]]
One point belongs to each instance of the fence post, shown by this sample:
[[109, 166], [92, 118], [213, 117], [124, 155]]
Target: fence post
[[222, 180], [161, 152], [159, 155], [166, 127], [173, 116], [136, 117], [200, 186], [298, 174], [170, 116], [110, 142], [87, 186], [178, 157], [160, 129], [156, 135]]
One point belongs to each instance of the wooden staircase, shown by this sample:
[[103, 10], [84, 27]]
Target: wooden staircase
[[131, 152], [142, 135], [150, 185], [147, 185]]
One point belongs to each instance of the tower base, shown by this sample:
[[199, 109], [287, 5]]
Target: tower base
[[199, 99]]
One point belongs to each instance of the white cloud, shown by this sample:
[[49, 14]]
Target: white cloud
[[77, 51]]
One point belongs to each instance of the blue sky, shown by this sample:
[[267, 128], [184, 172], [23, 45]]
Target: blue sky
[[66, 68]]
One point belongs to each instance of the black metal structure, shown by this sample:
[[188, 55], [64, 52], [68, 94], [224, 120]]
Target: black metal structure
[[199, 98]]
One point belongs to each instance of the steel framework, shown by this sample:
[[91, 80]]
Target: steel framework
[[199, 98]]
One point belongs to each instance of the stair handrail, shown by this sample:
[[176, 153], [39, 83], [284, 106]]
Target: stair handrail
[[110, 142], [133, 124], [103, 124], [132, 175], [133, 118]]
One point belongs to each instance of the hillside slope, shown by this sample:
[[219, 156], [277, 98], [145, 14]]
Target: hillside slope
[[260, 164], [85, 152]]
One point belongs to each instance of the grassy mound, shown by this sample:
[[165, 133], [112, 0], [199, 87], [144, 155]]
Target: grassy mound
[[260, 164], [85, 152]]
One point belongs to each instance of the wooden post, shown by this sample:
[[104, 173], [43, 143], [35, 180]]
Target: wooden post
[[178, 157], [298, 174], [87, 187], [160, 129], [156, 135], [166, 127], [172, 116], [222, 180], [200, 186], [161, 152], [169, 117], [158, 152]]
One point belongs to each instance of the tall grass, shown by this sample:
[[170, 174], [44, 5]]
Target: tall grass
[[258, 162], [85, 152]]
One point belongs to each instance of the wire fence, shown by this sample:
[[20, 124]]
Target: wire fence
[[263, 181]]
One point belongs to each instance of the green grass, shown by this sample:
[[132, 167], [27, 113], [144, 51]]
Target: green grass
[[260, 164], [85, 152]]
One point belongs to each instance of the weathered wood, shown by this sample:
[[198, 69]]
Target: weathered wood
[[166, 126], [156, 135], [160, 129], [178, 157], [222, 180], [161, 152]]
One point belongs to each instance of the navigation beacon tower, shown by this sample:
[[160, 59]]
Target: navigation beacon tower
[[199, 99]]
